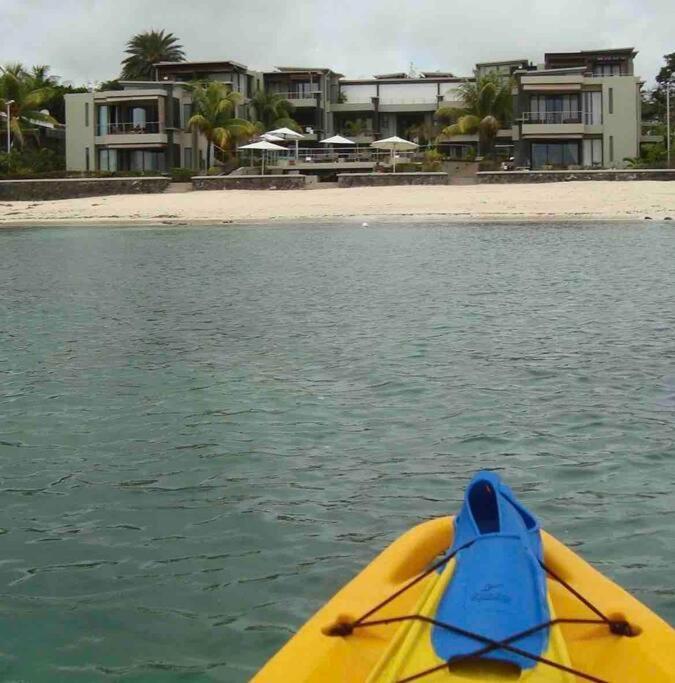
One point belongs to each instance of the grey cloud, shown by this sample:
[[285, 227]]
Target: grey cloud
[[83, 40]]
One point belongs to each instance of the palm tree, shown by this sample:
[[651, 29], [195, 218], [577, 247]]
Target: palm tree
[[145, 50], [487, 108], [16, 86], [215, 105], [424, 132], [273, 110], [355, 127]]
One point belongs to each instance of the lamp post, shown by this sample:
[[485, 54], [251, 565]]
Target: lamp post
[[668, 144], [8, 103]]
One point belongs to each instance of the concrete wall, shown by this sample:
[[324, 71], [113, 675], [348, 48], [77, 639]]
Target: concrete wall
[[381, 179], [67, 188], [80, 137], [249, 182], [623, 124], [504, 177]]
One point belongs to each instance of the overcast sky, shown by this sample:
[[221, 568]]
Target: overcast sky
[[83, 40]]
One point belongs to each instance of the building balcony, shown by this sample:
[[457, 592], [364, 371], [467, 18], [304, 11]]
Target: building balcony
[[300, 99], [553, 123], [136, 134], [364, 105]]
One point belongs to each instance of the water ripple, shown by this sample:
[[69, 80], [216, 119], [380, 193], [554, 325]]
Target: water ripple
[[204, 433]]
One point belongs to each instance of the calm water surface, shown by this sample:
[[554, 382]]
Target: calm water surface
[[205, 432]]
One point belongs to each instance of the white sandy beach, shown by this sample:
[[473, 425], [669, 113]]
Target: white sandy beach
[[549, 201]]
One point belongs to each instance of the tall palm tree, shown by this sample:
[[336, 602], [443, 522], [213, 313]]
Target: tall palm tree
[[215, 105], [27, 105], [273, 111], [487, 108], [145, 50]]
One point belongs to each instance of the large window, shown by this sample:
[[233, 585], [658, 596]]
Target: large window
[[302, 89], [557, 154], [555, 109], [592, 108], [187, 114], [592, 156], [131, 160], [187, 157], [107, 160], [616, 69]]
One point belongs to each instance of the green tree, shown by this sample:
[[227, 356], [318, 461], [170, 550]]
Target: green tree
[[214, 105], [487, 105], [273, 110], [425, 132], [145, 50], [28, 102]]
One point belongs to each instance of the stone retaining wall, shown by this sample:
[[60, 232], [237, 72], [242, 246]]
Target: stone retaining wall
[[570, 176], [381, 179], [249, 182], [69, 188]]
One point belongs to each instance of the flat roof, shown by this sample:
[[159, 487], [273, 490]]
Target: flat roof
[[407, 79], [504, 61], [590, 53], [221, 63], [301, 70]]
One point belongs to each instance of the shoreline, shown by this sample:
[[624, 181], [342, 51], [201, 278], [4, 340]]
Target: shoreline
[[555, 202]]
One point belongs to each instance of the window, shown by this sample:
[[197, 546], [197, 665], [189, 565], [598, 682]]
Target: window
[[554, 154], [187, 157], [592, 150], [615, 69], [86, 159], [103, 120], [592, 108], [107, 160], [303, 89], [611, 148], [187, 113], [554, 109], [611, 100], [86, 114], [145, 160]]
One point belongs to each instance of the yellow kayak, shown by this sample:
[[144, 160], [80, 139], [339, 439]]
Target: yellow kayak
[[378, 628]]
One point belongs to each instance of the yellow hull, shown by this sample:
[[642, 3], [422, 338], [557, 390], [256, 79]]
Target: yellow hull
[[390, 652]]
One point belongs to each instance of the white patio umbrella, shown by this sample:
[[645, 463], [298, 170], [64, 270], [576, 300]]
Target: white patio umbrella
[[265, 146], [337, 140], [271, 138], [288, 134], [394, 144]]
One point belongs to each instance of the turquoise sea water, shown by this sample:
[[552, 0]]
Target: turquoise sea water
[[205, 432]]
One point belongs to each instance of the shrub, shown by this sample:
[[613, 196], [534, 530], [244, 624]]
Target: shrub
[[214, 170], [433, 160], [407, 167], [182, 175]]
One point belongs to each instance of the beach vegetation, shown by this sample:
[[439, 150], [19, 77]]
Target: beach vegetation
[[433, 160], [273, 110], [29, 98], [214, 105], [424, 133], [486, 108], [145, 49]]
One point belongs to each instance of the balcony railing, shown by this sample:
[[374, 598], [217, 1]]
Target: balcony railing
[[340, 153], [298, 95], [129, 128], [549, 117]]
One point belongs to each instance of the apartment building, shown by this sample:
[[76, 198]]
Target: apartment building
[[312, 91], [575, 109], [392, 104]]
